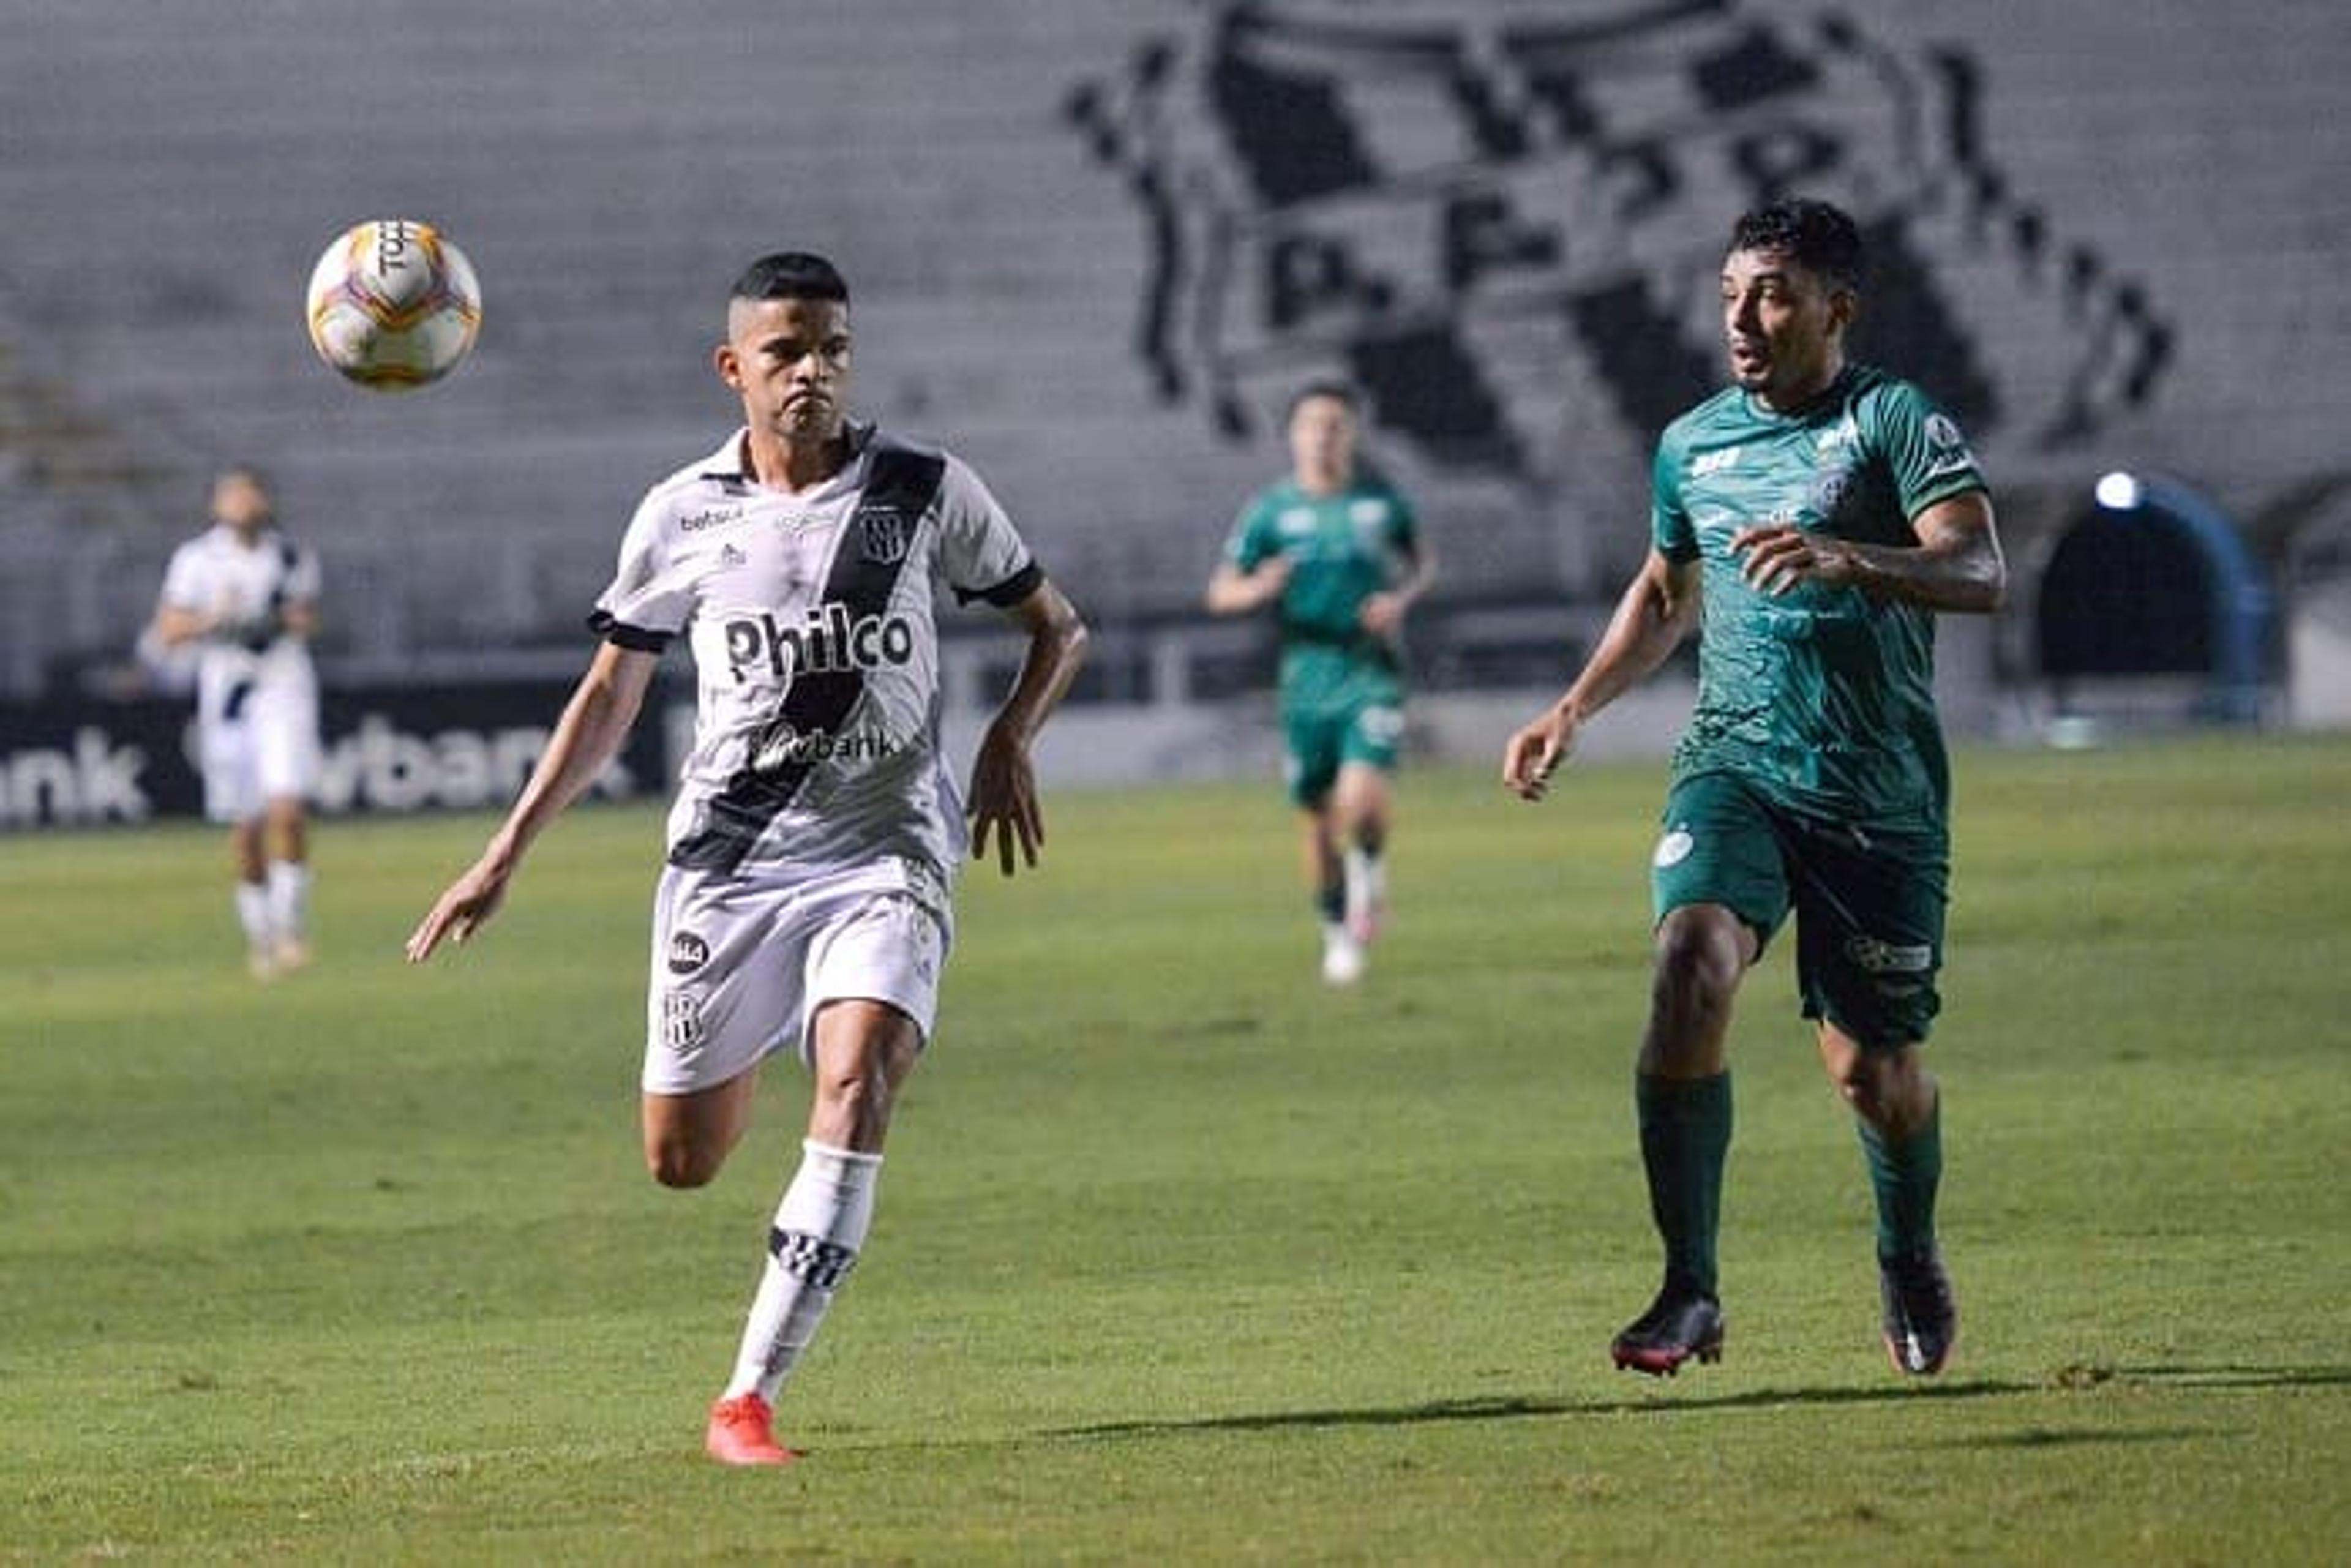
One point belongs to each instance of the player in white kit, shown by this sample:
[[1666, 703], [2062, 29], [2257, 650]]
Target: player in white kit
[[805, 904], [246, 598]]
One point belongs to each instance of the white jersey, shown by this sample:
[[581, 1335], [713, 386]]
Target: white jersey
[[265, 675], [815, 652]]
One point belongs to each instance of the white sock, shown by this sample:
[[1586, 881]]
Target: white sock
[[1367, 888], [253, 913], [820, 1227], [289, 900]]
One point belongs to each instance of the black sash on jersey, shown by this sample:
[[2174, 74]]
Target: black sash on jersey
[[867, 559]]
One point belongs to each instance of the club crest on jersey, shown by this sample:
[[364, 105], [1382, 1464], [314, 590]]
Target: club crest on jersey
[[884, 535], [1830, 489]]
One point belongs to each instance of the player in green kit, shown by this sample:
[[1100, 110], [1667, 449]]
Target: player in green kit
[[1809, 521], [1339, 552]]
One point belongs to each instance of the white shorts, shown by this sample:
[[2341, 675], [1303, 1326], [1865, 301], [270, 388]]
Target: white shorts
[[269, 754], [743, 959]]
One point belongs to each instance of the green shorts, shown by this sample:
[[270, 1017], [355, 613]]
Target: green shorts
[[1869, 902], [1331, 716]]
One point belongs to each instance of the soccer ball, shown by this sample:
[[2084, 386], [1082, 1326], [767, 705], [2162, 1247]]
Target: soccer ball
[[394, 305]]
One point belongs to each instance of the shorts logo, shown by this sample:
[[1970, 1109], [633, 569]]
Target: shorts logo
[[1881, 958], [1673, 849], [1382, 726], [682, 1030], [687, 953]]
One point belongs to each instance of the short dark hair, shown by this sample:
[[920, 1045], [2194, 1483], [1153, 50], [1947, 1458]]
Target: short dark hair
[[1819, 236], [1331, 387], [790, 275]]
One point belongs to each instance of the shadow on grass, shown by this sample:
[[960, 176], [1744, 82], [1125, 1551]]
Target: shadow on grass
[[2084, 1436], [1510, 1407], [2237, 1377]]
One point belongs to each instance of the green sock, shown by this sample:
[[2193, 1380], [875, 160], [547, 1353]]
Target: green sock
[[1905, 1176], [1330, 903], [1685, 1138]]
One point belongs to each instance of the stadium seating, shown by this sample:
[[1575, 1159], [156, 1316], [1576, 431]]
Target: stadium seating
[[2125, 174]]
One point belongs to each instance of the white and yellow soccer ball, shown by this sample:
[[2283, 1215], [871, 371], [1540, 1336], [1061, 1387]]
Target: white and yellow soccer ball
[[394, 305]]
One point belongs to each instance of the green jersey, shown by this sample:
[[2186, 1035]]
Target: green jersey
[[1822, 698], [1342, 548]]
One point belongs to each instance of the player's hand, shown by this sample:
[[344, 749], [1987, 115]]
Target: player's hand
[[255, 633], [464, 908], [1778, 555], [1381, 614], [1271, 575], [1003, 801], [230, 624], [1535, 752]]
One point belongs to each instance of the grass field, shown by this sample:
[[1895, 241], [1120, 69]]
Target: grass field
[[1180, 1257]]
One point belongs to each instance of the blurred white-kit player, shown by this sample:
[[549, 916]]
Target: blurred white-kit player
[[243, 598]]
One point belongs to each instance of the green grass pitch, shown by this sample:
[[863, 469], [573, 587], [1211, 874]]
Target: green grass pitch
[[1181, 1257]]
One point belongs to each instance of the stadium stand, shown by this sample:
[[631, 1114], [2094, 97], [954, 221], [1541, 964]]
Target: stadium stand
[[2124, 234]]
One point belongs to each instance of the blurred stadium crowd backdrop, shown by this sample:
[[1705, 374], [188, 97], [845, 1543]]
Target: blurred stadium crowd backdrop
[[1094, 242]]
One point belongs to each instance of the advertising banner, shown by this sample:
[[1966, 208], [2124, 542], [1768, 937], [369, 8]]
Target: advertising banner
[[469, 748]]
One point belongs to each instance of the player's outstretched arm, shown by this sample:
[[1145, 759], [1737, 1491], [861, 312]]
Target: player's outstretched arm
[[595, 721], [1657, 611], [1232, 591], [1003, 794], [178, 624]]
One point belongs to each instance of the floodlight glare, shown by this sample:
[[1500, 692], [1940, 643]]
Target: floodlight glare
[[2118, 491]]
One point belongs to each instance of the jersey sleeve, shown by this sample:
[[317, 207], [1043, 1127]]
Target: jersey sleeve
[[186, 584], [1251, 539], [1924, 448], [1669, 523], [981, 554], [647, 603]]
